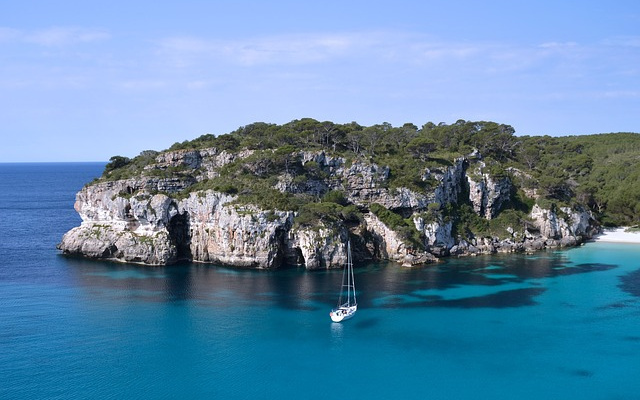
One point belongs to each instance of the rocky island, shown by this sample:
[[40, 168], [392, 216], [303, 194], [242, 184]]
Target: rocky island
[[266, 196]]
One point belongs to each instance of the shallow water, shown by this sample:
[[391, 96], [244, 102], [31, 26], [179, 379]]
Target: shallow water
[[559, 324]]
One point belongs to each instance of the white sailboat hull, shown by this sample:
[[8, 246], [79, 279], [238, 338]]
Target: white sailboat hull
[[343, 313], [347, 303]]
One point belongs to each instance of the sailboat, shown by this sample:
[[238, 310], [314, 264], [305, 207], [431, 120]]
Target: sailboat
[[347, 304]]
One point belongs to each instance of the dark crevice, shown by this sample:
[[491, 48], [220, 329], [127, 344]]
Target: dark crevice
[[277, 244], [298, 258], [179, 236]]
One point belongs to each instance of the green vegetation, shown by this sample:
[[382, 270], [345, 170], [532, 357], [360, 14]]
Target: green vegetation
[[469, 224], [601, 172], [120, 167], [404, 227]]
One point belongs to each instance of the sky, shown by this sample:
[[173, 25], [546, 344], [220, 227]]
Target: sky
[[87, 80]]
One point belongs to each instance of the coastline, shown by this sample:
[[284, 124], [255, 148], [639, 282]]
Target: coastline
[[617, 235]]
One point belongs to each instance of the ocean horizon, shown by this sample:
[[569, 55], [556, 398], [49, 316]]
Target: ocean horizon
[[555, 324]]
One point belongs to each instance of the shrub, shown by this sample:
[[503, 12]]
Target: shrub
[[116, 162], [405, 228], [351, 214], [335, 196]]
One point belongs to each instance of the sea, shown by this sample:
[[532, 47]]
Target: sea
[[561, 324]]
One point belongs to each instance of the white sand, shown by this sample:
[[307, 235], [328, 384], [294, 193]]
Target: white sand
[[618, 235]]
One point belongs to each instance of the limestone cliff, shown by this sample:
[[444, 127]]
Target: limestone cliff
[[486, 193], [164, 213]]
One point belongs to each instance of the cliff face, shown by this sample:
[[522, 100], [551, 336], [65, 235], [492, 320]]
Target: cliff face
[[160, 230], [116, 227], [146, 219], [486, 193]]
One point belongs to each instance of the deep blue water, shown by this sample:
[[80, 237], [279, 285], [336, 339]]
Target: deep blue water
[[557, 325]]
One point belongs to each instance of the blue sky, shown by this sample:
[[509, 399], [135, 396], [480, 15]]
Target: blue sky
[[86, 80]]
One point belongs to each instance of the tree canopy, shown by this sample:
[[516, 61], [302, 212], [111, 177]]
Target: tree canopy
[[602, 172]]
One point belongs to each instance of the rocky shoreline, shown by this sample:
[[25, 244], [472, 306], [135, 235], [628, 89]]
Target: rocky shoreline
[[147, 220]]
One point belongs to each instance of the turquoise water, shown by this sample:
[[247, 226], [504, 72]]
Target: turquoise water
[[557, 325]]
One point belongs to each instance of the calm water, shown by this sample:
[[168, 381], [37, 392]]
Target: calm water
[[557, 325]]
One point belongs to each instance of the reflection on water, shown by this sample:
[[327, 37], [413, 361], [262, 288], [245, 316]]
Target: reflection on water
[[500, 281], [337, 331]]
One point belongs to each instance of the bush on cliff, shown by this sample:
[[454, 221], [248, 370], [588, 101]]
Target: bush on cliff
[[599, 171], [404, 227]]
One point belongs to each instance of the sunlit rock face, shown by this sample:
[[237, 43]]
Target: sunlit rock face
[[487, 195], [569, 226], [147, 219]]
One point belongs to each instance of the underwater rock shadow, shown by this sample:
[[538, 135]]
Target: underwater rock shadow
[[534, 269], [504, 299], [630, 283]]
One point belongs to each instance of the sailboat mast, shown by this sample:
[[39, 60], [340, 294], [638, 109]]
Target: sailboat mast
[[349, 273], [348, 281], [344, 275], [353, 281]]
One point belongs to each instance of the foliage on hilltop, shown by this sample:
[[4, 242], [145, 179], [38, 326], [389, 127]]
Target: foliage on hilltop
[[601, 172]]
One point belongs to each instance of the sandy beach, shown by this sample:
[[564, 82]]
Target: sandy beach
[[618, 235]]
